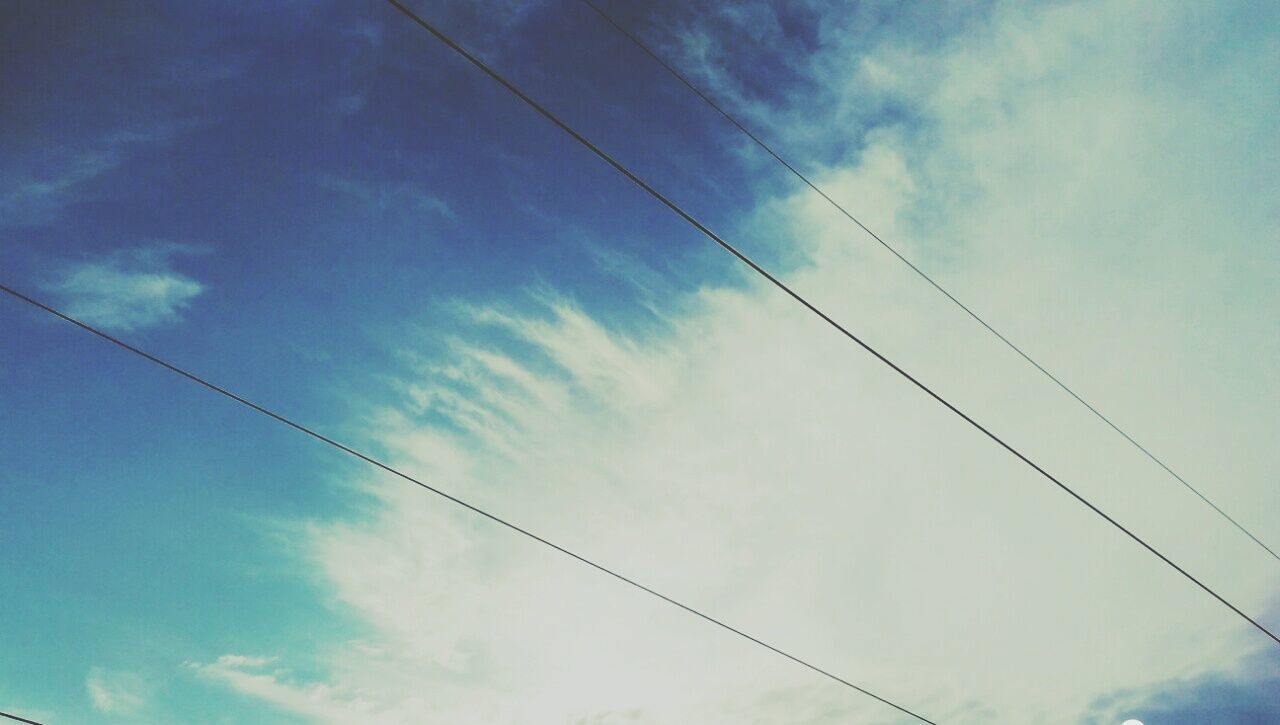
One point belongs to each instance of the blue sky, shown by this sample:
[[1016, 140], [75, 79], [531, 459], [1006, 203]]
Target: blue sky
[[319, 207]]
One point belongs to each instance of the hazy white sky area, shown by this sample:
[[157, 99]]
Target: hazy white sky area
[[1097, 179]]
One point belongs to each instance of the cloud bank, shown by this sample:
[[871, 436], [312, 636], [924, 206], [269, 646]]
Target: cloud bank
[[746, 461]]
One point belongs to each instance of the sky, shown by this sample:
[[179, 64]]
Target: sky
[[318, 206]]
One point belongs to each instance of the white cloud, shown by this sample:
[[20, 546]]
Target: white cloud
[[116, 693], [317, 701], [236, 661], [753, 464], [127, 289]]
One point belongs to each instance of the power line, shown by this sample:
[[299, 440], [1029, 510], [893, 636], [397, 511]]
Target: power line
[[922, 274], [19, 719], [470, 507], [742, 257]]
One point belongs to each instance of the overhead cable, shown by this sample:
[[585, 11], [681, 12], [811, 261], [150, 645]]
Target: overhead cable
[[279, 418], [775, 281], [920, 272]]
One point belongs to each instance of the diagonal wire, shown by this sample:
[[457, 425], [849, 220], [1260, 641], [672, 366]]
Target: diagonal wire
[[922, 274], [439, 492], [742, 257], [19, 719]]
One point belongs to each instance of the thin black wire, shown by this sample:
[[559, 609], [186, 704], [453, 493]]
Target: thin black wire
[[474, 509], [923, 275], [19, 719], [680, 212]]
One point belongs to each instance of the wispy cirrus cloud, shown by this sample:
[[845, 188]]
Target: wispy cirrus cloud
[[127, 289], [36, 196], [384, 197], [250, 675], [116, 693], [38, 185]]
